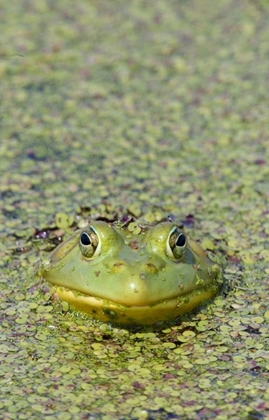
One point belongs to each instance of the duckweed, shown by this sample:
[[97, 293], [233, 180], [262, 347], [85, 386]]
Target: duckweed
[[178, 93]]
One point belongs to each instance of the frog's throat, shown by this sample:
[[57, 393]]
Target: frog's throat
[[164, 310]]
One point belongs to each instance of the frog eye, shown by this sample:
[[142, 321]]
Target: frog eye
[[89, 243], [176, 244]]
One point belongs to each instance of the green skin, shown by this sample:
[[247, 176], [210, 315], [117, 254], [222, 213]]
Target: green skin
[[132, 278]]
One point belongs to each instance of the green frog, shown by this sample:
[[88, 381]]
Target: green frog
[[141, 276]]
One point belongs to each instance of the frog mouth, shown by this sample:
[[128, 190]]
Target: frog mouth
[[164, 310]]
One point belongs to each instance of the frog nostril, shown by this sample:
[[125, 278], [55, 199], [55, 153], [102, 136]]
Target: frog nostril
[[117, 266], [151, 268]]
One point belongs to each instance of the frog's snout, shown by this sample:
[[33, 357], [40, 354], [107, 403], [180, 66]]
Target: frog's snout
[[136, 280]]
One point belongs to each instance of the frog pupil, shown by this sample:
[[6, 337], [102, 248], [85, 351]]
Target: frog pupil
[[181, 240], [85, 239]]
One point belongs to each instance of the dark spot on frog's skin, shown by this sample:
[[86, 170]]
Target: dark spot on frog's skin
[[97, 273], [134, 244], [181, 286]]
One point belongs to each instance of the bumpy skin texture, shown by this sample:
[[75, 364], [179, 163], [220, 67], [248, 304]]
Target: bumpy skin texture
[[133, 278]]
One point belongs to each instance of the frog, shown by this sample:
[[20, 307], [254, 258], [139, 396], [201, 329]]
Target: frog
[[144, 276]]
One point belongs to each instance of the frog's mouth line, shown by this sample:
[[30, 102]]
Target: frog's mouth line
[[109, 311]]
